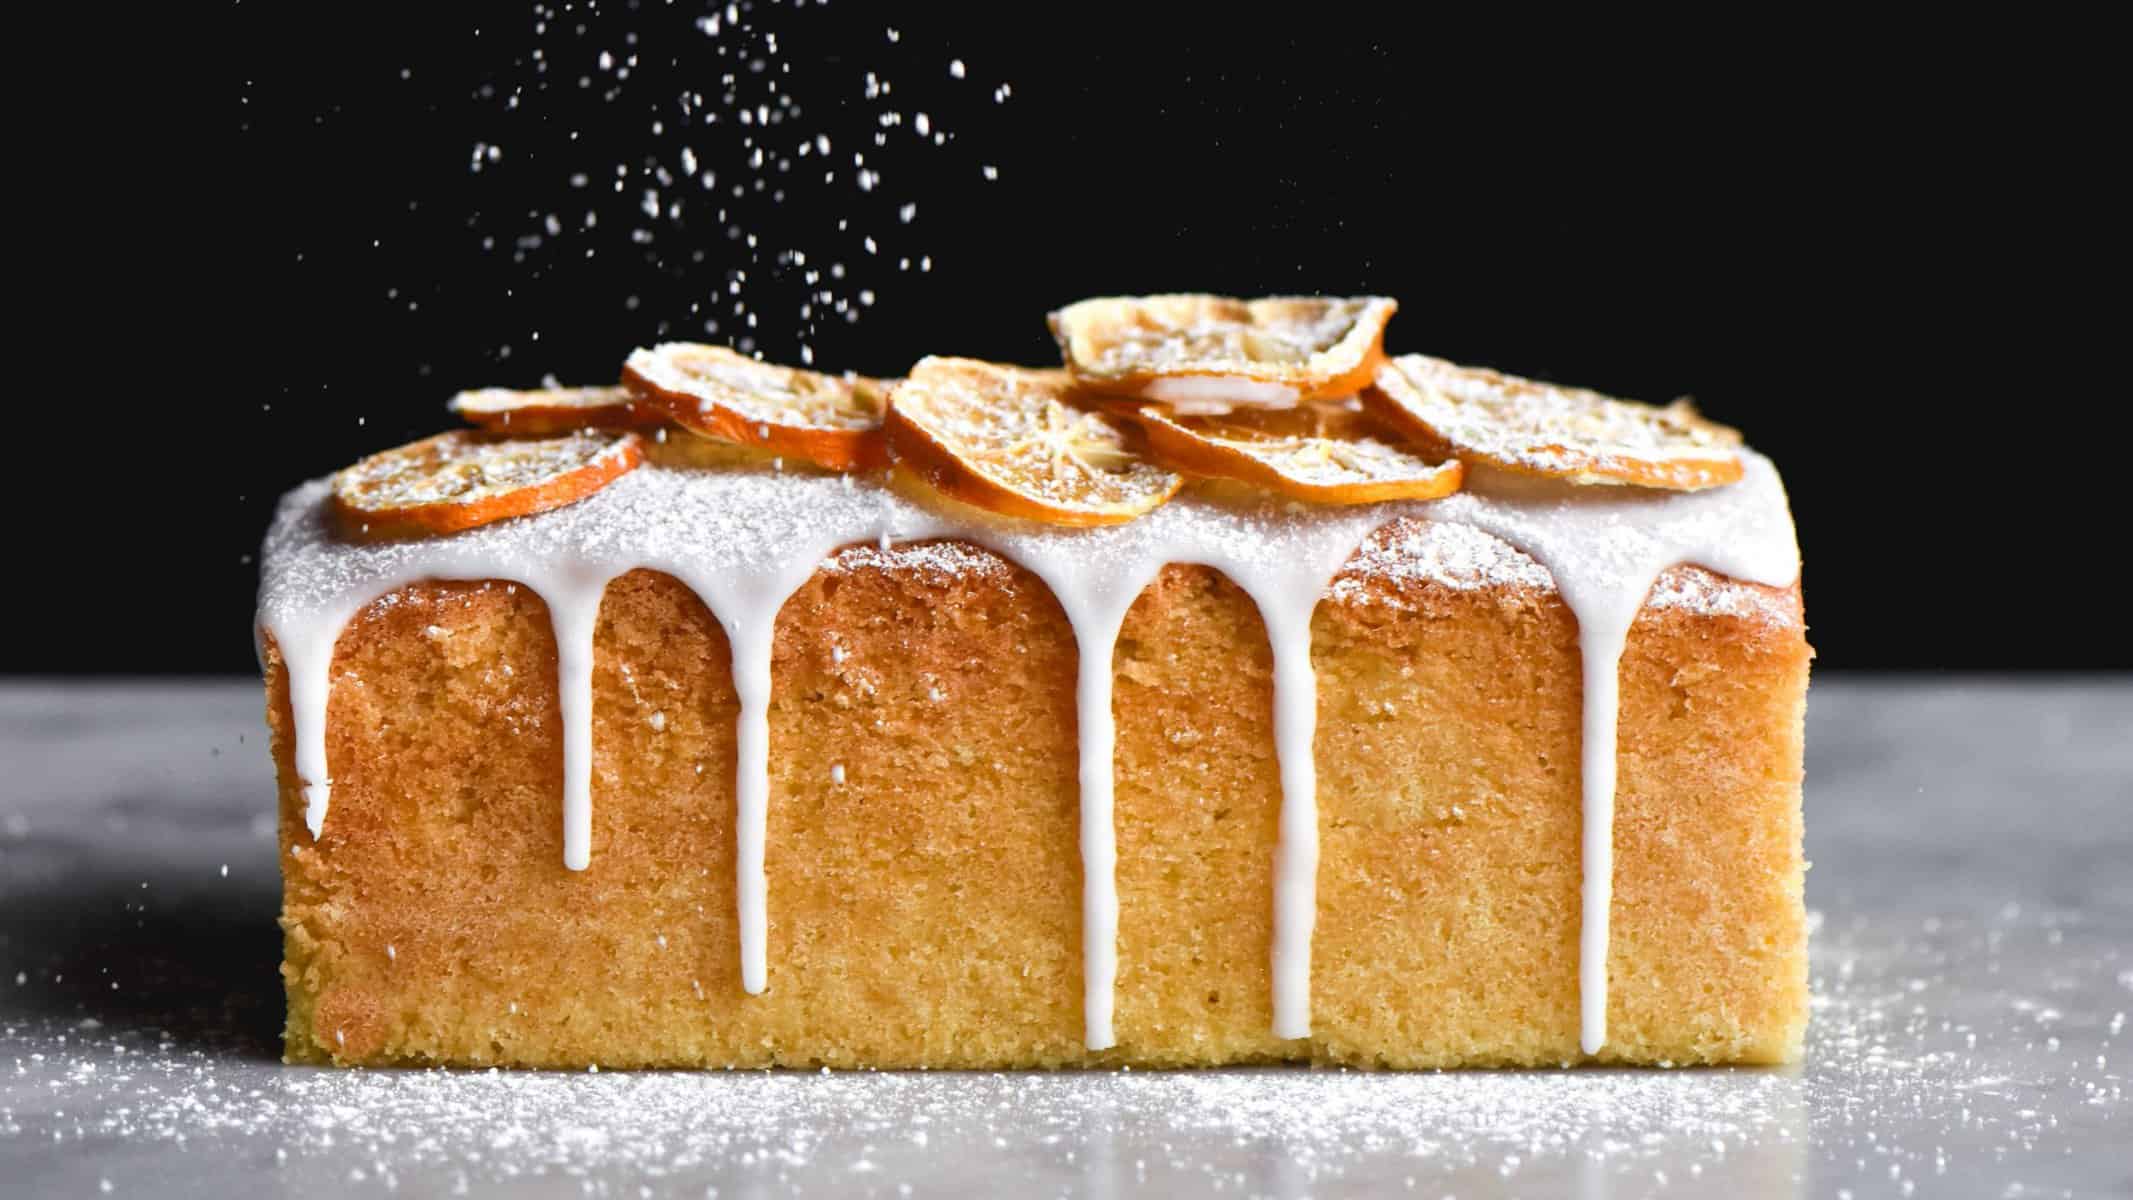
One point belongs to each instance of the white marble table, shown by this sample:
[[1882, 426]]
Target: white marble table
[[1973, 881]]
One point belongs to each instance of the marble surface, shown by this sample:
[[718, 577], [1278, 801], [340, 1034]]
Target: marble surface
[[1972, 844]]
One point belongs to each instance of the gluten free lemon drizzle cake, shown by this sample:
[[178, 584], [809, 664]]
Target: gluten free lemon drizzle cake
[[1481, 550]]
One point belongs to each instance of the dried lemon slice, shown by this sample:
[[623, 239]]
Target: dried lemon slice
[[1535, 428], [553, 410], [1210, 354], [1329, 451], [1011, 440], [831, 420], [458, 480]]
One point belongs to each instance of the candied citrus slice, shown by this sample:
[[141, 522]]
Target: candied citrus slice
[[681, 450], [1532, 428], [831, 420], [1329, 451], [1204, 355], [554, 410], [1012, 440], [465, 478]]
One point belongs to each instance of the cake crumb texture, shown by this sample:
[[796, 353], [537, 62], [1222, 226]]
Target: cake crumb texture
[[923, 837]]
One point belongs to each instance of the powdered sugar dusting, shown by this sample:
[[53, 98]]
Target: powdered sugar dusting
[[1895, 1098], [740, 150], [742, 519], [1451, 555], [1702, 593], [1439, 552], [934, 560], [1973, 1001]]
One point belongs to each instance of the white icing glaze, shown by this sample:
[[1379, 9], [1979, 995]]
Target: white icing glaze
[[745, 540], [574, 607]]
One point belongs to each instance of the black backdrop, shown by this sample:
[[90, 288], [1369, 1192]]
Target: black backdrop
[[1855, 244]]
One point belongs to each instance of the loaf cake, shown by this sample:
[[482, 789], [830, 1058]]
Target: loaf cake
[[998, 717]]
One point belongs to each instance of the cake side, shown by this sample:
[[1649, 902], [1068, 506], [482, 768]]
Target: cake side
[[924, 900], [1449, 793], [925, 890], [1197, 811], [432, 919], [1709, 956], [1449, 804]]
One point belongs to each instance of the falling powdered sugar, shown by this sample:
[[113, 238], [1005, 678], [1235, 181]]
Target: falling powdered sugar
[[756, 179]]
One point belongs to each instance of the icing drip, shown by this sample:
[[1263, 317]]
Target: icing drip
[[1296, 854], [745, 540], [307, 649], [1096, 639], [1099, 837], [1601, 653], [575, 611], [751, 791]]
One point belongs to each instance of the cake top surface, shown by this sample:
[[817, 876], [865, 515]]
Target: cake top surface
[[1289, 396], [746, 521]]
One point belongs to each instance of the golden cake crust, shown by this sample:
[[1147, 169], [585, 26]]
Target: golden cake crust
[[923, 839]]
